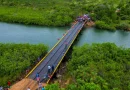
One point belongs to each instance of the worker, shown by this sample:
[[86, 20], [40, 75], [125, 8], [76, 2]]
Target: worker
[[40, 85], [27, 71], [37, 77], [52, 68], [43, 88], [9, 83], [1, 88], [49, 69]]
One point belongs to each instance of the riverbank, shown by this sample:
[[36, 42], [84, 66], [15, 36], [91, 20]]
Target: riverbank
[[62, 13]]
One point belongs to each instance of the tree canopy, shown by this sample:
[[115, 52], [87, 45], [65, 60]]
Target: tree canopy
[[98, 67], [15, 59], [63, 12]]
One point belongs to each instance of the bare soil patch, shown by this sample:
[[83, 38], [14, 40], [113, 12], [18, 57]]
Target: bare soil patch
[[25, 83]]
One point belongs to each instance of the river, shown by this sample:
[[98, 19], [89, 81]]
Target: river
[[17, 33]]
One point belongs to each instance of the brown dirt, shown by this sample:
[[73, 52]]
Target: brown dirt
[[90, 24], [25, 83]]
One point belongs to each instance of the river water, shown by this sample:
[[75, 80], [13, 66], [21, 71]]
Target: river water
[[17, 33]]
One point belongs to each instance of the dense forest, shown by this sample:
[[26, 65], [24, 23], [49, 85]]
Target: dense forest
[[107, 14], [98, 67], [15, 59]]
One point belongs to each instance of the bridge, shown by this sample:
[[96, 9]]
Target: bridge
[[53, 57]]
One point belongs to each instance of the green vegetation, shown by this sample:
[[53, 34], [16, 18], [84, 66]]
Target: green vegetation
[[103, 25], [49, 13], [123, 26], [63, 12], [16, 58], [112, 14], [98, 67]]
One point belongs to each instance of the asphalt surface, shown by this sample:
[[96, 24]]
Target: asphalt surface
[[55, 56]]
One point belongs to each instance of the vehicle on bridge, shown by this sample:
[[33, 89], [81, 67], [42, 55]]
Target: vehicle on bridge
[[83, 18]]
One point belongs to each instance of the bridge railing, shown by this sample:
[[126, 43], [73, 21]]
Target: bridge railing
[[30, 82]]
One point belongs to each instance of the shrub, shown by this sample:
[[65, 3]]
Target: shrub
[[123, 26], [16, 58], [103, 25]]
